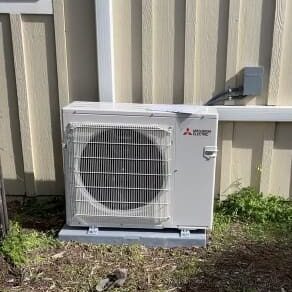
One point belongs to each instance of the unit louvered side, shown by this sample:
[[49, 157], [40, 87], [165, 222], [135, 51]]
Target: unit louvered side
[[117, 173]]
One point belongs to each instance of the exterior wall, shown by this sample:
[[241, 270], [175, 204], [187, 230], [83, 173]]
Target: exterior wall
[[165, 51]]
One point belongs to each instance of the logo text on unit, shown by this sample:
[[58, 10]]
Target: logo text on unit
[[197, 132]]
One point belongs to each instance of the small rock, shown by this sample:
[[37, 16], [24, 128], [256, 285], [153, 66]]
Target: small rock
[[58, 255], [115, 279], [121, 273], [102, 285]]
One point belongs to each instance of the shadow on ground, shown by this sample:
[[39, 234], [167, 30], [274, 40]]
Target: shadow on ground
[[39, 214], [247, 266]]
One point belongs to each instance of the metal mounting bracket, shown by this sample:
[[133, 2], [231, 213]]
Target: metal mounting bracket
[[185, 233], [92, 230]]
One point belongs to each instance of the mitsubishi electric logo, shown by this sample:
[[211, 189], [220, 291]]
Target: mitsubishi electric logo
[[196, 132], [188, 132]]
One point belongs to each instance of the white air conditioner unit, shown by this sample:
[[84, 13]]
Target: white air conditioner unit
[[139, 166]]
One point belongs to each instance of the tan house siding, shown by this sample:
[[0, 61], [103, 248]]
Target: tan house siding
[[9, 126], [165, 51]]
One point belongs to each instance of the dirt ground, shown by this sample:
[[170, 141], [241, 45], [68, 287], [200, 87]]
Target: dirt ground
[[230, 263]]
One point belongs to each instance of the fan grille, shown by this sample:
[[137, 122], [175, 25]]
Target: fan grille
[[120, 170]]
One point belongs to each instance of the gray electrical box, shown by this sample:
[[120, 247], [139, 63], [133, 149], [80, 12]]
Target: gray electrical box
[[253, 80]]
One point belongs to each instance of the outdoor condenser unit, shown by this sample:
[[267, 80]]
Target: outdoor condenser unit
[[139, 166]]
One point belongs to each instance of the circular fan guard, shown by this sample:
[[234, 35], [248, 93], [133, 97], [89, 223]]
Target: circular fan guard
[[122, 169]]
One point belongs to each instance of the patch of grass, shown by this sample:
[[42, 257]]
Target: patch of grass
[[268, 232], [221, 224], [19, 243], [185, 270], [258, 217], [248, 205]]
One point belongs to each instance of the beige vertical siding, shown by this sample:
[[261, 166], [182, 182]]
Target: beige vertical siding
[[284, 62], [281, 182], [127, 21], [9, 119], [41, 72], [165, 51]]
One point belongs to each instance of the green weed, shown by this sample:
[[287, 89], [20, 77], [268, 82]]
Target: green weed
[[248, 205], [19, 242]]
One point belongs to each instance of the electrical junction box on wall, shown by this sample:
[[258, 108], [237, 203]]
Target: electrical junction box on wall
[[253, 80]]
